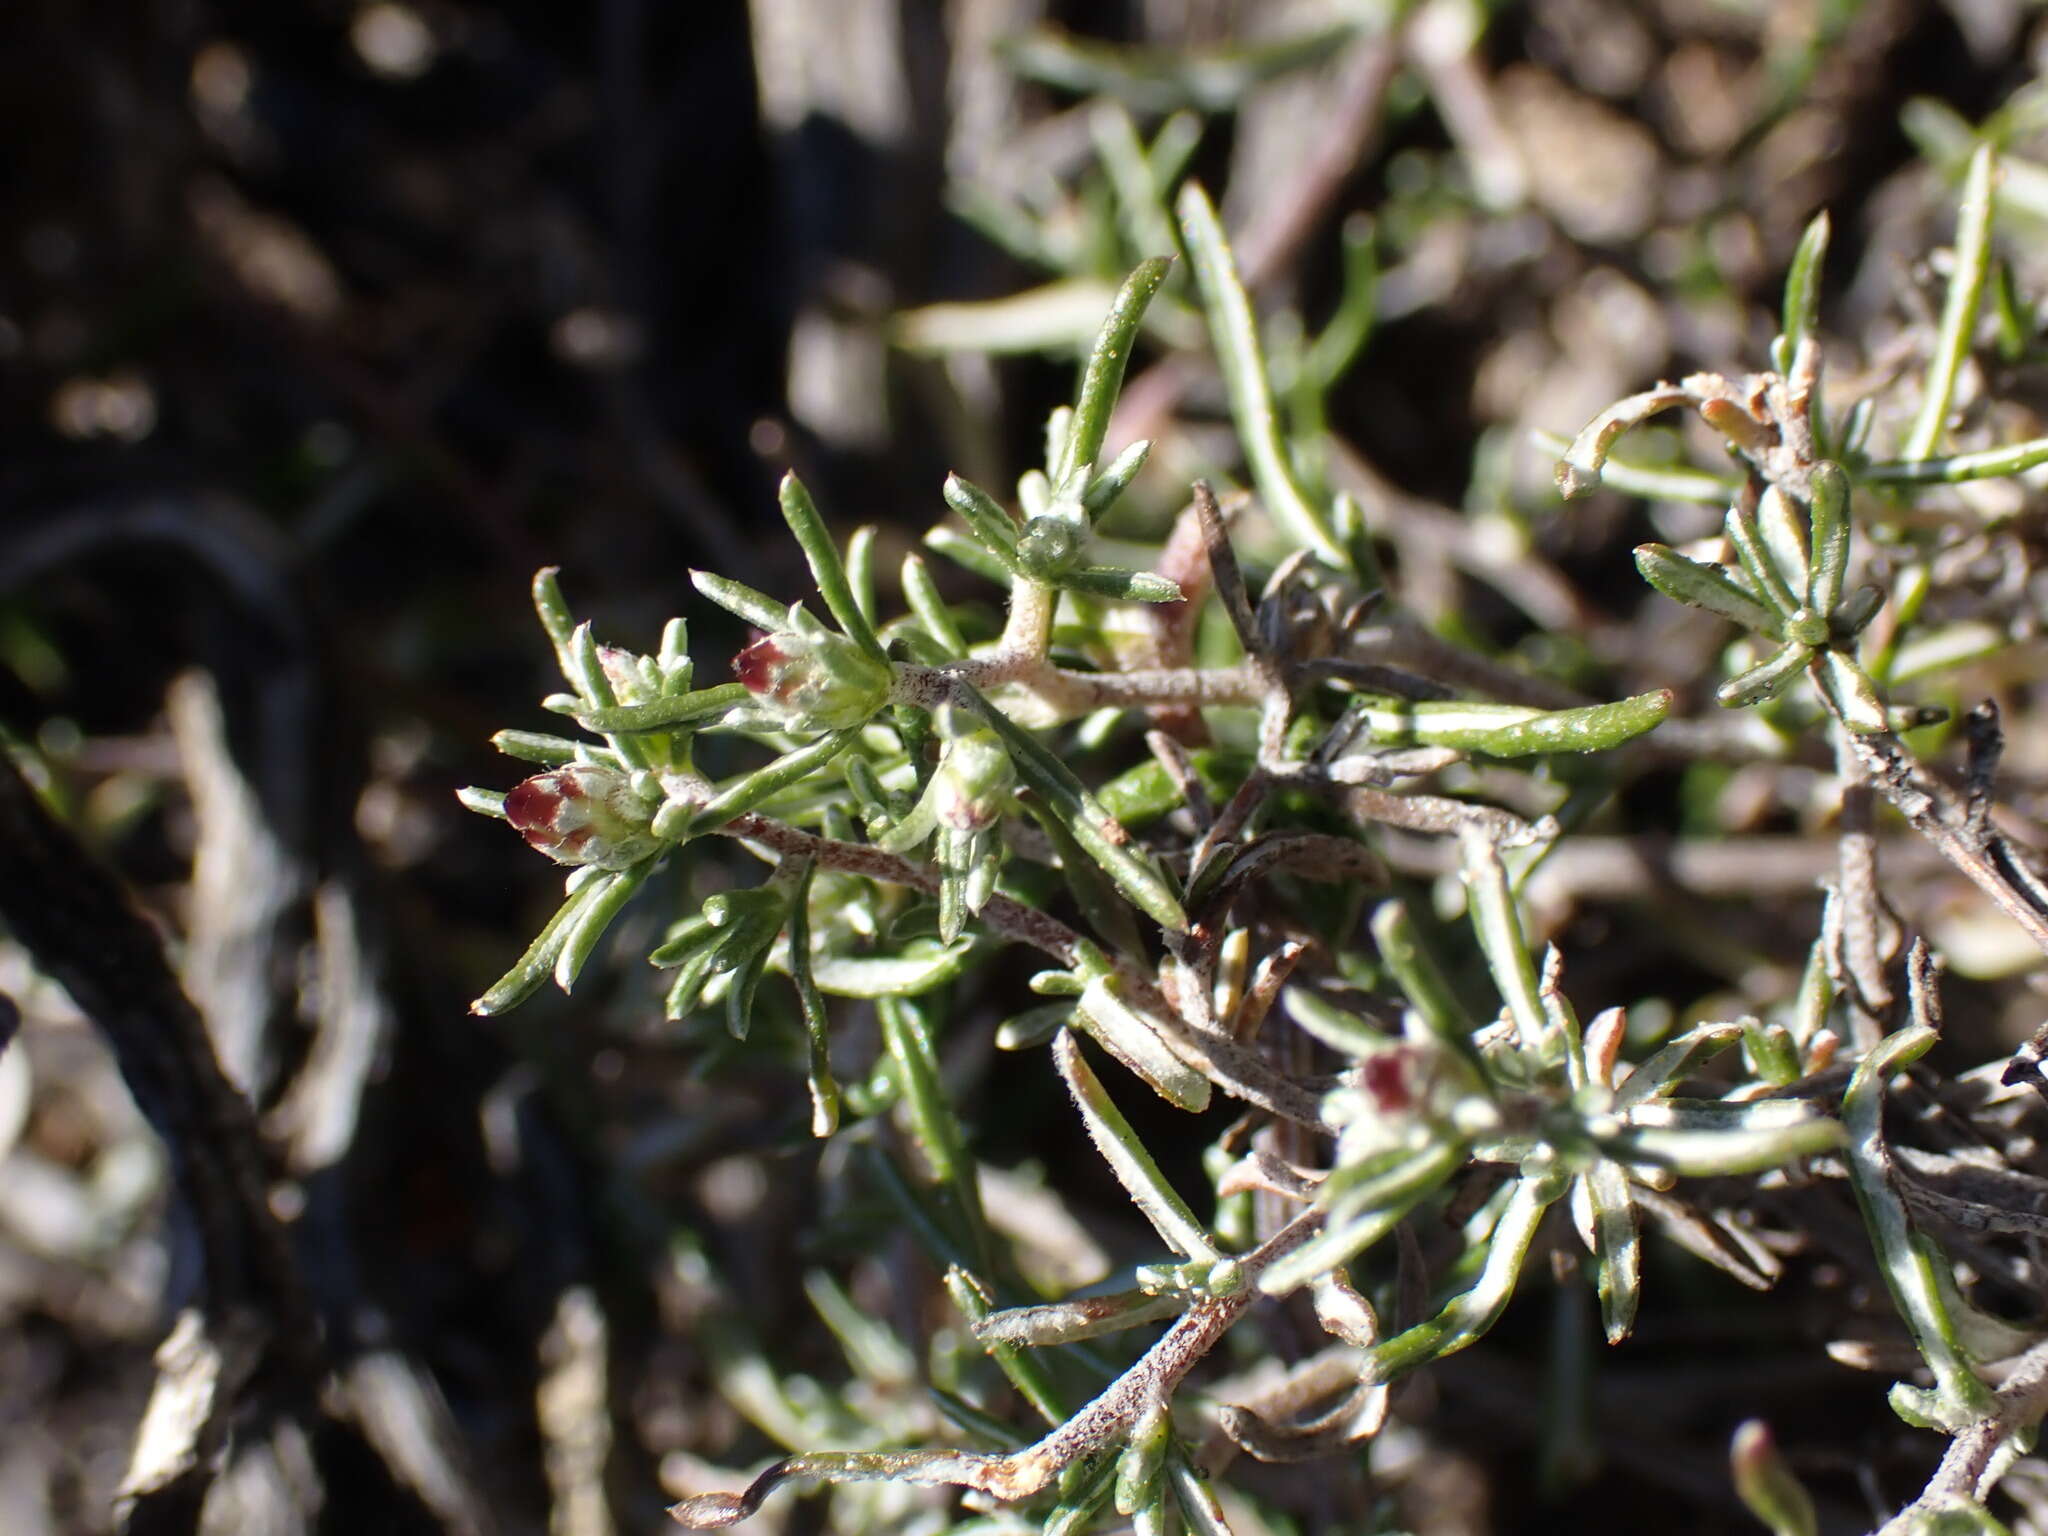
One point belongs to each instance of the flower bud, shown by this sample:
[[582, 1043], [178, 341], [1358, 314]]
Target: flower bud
[[633, 678], [822, 681], [1050, 544], [1390, 1097], [583, 814], [971, 788]]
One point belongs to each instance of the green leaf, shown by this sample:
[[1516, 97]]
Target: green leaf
[[993, 528], [1671, 1062], [1700, 585], [1106, 487], [921, 593], [1908, 1258], [608, 897], [1787, 540], [825, 1098], [554, 613], [1958, 326], [1617, 1247], [906, 1032], [1829, 508], [1103, 376], [741, 600], [919, 967], [1027, 1373], [1100, 834], [967, 553], [1766, 577], [1852, 694], [1592, 728], [1119, 586], [538, 747], [485, 802], [1234, 333], [1771, 1052], [1984, 464], [1132, 1039], [1802, 292], [1084, 1317], [1106, 912], [1468, 1316], [1748, 1139], [743, 794], [822, 555], [538, 963], [1339, 343], [1127, 1156], [1767, 1484], [1140, 1467], [660, 715], [1508, 961], [1141, 795], [1371, 1210], [1422, 981], [1766, 679]]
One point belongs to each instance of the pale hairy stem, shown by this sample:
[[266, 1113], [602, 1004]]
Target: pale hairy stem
[[1067, 695], [1023, 1473], [2020, 1402], [1234, 1068], [1864, 920], [1028, 631]]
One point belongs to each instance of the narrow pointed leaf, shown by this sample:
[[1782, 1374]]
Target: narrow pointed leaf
[[1100, 834], [1852, 694], [825, 1099], [921, 593], [661, 714], [1104, 489], [538, 963], [1103, 376], [1128, 1036], [741, 600], [1466, 1317], [1118, 585], [1746, 533], [822, 555], [1830, 512], [1801, 315], [991, 526], [1700, 585], [742, 796], [1617, 1247], [1909, 1259], [608, 897], [1233, 331], [1766, 679], [1958, 326], [1127, 1157]]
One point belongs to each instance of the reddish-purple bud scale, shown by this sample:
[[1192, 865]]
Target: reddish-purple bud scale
[[1386, 1079], [755, 666], [580, 815]]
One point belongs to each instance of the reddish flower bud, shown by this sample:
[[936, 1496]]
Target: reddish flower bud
[[822, 681], [1393, 1095], [583, 814]]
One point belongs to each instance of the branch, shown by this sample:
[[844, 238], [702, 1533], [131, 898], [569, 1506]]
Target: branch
[[1021, 1474]]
